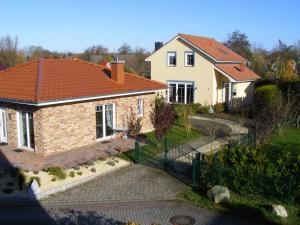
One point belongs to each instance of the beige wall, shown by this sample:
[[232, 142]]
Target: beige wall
[[65, 127], [245, 94], [207, 79], [202, 73]]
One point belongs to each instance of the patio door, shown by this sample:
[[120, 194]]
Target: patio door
[[3, 127], [26, 129], [105, 121]]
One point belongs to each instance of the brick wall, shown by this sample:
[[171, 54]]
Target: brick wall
[[65, 127]]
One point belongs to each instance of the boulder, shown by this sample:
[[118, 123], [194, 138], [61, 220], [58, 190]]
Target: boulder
[[218, 194], [279, 210]]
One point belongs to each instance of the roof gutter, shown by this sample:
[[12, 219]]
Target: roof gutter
[[56, 102]]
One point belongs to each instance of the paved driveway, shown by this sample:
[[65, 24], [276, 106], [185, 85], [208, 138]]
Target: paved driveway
[[133, 183]]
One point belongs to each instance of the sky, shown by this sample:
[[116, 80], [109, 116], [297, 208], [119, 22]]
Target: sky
[[74, 25]]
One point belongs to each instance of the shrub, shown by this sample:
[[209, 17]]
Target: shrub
[[134, 125], [36, 172], [184, 112], [162, 118], [56, 171], [219, 107], [76, 168], [8, 190], [79, 173], [204, 110], [266, 97], [38, 180], [93, 170], [72, 174], [101, 158], [53, 179], [111, 163]]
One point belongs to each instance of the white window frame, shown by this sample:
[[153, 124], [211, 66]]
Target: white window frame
[[28, 133], [3, 133], [185, 90], [168, 59], [185, 59], [104, 122], [140, 107]]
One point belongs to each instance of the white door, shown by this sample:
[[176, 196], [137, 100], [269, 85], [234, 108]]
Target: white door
[[3, 130]]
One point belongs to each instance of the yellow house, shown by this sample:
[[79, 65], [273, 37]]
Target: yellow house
[[202, 70]]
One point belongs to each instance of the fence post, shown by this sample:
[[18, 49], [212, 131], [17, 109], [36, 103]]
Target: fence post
[[194, 175], [137, 153], [198, 172], [290, 196], [165, 153]]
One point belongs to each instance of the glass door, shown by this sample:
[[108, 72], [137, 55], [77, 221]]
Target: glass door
[[104, 121], [3, 129], [26, 129]]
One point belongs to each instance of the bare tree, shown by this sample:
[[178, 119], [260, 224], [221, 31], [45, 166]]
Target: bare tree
[[9, 51], [125, 49]]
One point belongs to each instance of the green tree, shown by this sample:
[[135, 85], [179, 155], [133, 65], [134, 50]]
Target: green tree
[[239, 43]]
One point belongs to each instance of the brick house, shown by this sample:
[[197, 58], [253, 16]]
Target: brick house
[[55, 105]]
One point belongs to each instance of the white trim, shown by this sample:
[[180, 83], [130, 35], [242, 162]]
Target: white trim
[[170, 54], [140, 106], [186, 53], [3, 135], [104, 138], [28, 131], [82, 99]]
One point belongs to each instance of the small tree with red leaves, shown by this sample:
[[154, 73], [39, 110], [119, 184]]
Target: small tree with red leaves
[[162, 118]]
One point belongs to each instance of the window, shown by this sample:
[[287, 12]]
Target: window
[[171, 57], [105, 121], [140, 107], [26, 129], [234, 91], [3, 130], [189, 59], [181, 92]]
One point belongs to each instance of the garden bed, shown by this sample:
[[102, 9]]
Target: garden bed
[[53, 179]]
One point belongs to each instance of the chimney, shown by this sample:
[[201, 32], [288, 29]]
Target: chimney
[[242, 67], [158, 45], [117, 71]]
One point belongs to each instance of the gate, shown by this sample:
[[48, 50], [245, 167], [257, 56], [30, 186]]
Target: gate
[[181, 161]]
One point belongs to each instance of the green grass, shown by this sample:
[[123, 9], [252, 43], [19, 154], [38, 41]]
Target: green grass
[[286, 140], [254, 210], [57, 172], [176, 135]]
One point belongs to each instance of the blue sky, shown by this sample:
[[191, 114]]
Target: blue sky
[[67, 25]]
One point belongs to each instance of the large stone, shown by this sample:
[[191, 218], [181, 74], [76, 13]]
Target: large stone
[[279, 210], [218, 194]]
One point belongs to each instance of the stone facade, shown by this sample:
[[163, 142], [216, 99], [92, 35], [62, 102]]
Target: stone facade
[[65, 127]]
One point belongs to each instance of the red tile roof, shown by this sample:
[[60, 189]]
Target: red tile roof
[[213, 48], [60, 79], [238, 74]]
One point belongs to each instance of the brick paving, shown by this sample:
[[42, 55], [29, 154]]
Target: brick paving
[[144, 213], [34, 161], [131, 184]]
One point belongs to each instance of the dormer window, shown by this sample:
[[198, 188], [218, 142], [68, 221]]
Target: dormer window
[[171, 58], [189, 59]]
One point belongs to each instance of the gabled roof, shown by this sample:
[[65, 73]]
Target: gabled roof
[[238, 74], [213, 48], [49, 80]]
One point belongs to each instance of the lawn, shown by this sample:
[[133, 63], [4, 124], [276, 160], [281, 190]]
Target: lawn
[[253, 210], [176, 135], [286, 140]]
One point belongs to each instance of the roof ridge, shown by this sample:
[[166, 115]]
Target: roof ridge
[[180, 34], [38, 78], [18, 66]]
